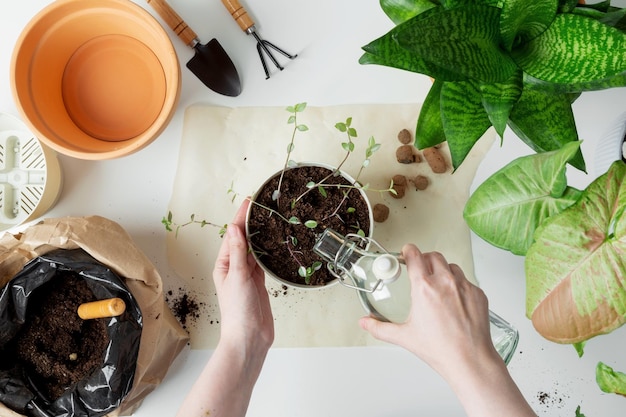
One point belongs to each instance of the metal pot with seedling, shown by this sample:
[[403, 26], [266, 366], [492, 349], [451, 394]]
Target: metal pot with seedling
[[294, 206]]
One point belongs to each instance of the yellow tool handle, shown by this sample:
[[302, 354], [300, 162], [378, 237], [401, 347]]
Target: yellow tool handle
[[174, 21], [238, 13], [110, 307]]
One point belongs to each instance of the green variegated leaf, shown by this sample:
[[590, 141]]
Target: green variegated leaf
[[545, 122], [588, 12], [429, 129], [576, 268], [464, 40], [615, 18], [523, 20], [387, 52], [566, 6], [402, 10], [574, 49], [499, 98], [507, 208], [464, 118], [533, 83], [451, 4], [609, 380]]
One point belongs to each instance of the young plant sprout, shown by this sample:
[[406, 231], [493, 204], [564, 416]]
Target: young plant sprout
[[169, 224], [297, 127], [305, 272]]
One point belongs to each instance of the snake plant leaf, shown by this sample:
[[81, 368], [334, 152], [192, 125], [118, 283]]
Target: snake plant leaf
[[602, 6], [387, 52], [576, 269], [545, 122], [615, 18], [609, 380], [523, 20], [506, 209], [464, 118], [429, 130], [566, 6], [603, 13], [615, 81], [451, 4], [574, 49], [402, 10], [499, 98], [463, 40], [588, 12]]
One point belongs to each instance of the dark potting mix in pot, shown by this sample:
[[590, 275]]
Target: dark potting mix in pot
[[336, 205]]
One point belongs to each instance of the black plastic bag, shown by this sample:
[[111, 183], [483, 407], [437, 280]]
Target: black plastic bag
[[103, 391]]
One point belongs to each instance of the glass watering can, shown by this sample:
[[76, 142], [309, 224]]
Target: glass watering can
[[382, 285]]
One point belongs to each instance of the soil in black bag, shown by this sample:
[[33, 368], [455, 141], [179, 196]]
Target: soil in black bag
[[56, 347]]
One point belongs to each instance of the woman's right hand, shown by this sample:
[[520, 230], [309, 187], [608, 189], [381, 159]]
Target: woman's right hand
[[449, 318], [448, 328]]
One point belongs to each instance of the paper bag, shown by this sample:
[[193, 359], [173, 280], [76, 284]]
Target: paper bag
[[162, 337]]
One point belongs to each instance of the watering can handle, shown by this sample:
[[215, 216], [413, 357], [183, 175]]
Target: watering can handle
[[174, 21], [240, 15]]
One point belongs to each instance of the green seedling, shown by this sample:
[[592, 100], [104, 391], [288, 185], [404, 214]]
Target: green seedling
[[170, 225]]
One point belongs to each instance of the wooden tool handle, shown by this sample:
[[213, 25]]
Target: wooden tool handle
[[110, 307], [174, 21], [238, 13]]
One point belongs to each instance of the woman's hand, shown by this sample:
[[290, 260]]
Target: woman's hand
[[449, 318], [247, 319], [225, 385], [448, 328]]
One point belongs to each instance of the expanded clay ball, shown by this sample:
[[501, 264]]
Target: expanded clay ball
[[420, 182], [404, 136], [405, 155], [435, 160], [381, 213], [399, 185]]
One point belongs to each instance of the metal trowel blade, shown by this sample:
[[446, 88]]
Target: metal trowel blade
[[212, 65]]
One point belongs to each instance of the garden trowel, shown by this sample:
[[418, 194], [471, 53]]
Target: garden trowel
[[211, 64]]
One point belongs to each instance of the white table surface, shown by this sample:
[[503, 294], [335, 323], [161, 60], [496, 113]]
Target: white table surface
[[369, 382]]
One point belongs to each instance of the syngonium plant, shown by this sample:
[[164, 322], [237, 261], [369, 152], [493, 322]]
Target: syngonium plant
[[574, 243], [495, 63]]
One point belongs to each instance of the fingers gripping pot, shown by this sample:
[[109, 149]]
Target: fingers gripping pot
[[105, 387], [162, 337]]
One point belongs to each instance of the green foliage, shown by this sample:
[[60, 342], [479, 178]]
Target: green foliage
[[297, 127], [578, 256], [609, 380], [171, 225], [580, 348], [574, 243], [307, 272], [503, 62], [506, 209]]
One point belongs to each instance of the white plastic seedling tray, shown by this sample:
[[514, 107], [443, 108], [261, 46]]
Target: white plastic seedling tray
[[30, 175]]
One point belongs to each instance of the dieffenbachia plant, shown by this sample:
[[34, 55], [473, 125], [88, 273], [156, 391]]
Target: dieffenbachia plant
[[495, 63]]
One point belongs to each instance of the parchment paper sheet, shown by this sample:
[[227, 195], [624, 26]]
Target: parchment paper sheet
[[236, 149]]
